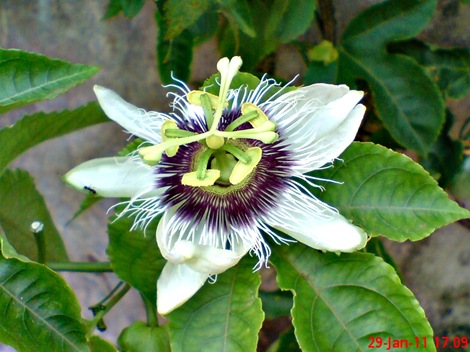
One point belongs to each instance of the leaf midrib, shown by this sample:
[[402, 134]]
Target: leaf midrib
[[39, 317], [11, 98]]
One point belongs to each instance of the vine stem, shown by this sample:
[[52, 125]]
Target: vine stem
[[112, 302], [151, 313], [326, 11], [81, 267]]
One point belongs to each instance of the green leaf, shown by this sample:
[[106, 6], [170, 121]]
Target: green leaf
[[174, 56], [276, 304], [86, 204], [460, 185], [275, 22], [340, 302], [387, 194], [34, 129], [179, 15], [97, 344], [205, 27], [286, 342], [132, 7], [224, 316], [113, 9], [26, 78], [239, 12], [139, 337], [39, 311], [406, 99], [449, 67], [376, 246], [446, 155], [135, 257], [318, 72], [21, 205]]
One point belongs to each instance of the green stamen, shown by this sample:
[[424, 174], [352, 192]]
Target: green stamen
[[237, 153], [177, 133], [241, 120], [203, 162], [153, 154]]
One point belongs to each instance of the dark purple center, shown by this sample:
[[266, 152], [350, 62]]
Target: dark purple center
[[225, 206]]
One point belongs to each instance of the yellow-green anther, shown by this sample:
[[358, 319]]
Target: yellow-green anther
[[169, 124], [151, 155], [241, 120], [177, 133], [199, 98], [241, 170], [266, 137], [191, 178], [262, 118], [237, 153]]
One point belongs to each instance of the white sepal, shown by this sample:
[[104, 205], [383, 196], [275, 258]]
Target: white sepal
[[112, 177], [137, 121]]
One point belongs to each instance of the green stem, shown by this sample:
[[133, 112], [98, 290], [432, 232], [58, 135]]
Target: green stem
[[37, 228], [151, 313], [110, 294], [107, 308], [85, 267]]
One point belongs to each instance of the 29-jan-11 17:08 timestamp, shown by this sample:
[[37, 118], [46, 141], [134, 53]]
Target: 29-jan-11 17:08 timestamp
[[417, 342]]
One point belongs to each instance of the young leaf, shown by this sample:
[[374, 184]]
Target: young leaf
[[224, 316], [40, 312], [135, 257], [387, 194], [407, 100], [341, 302], [140, 337], [37, 128], [28, 77], [21, 205]]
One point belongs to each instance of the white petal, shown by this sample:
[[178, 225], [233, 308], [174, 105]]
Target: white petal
[[137, 121], [315, 224], [313, 154], [318, 122], [177, 249], [332, 145], [112, 177], [177, 283]]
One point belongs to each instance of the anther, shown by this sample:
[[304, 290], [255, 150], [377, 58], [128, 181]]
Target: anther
[[241, 170], [169, 124]]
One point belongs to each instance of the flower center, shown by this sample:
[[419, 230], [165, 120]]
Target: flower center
[[224, 160]]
